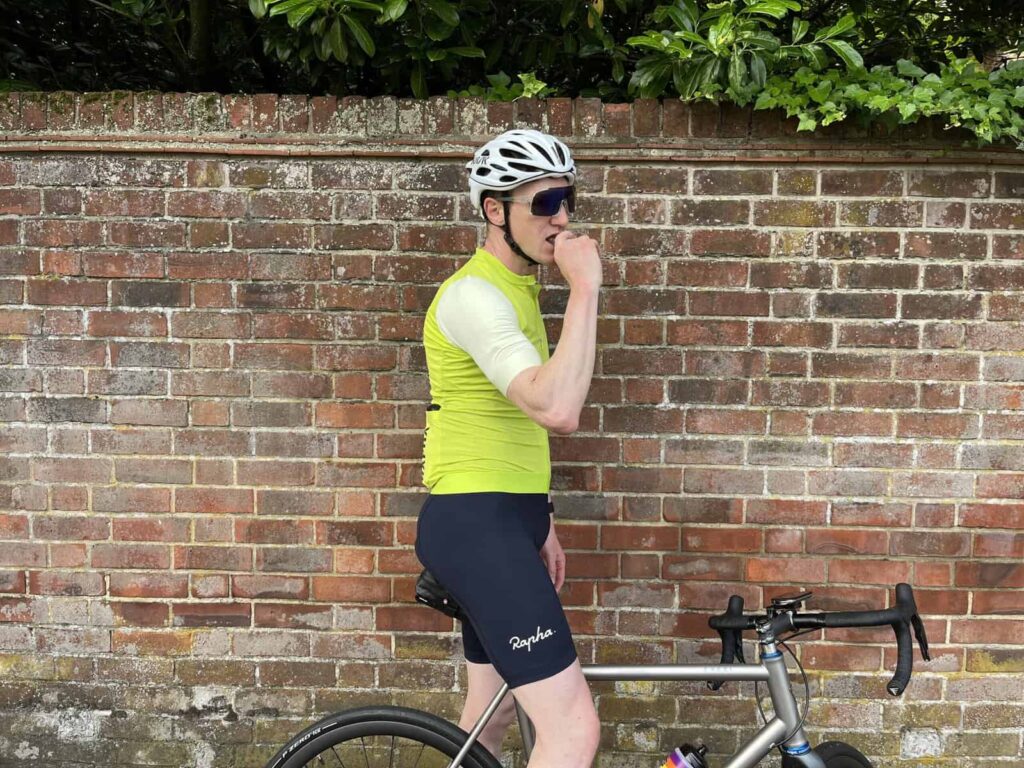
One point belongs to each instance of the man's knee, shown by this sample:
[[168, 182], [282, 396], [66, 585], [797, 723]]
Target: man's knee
[[574, 724]]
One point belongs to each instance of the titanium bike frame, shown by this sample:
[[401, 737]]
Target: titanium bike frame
[[772, 670]]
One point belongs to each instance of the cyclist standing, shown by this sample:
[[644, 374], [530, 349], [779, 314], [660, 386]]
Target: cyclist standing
[[486, 531]]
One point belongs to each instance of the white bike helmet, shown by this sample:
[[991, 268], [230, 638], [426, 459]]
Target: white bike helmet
[[517, 157]]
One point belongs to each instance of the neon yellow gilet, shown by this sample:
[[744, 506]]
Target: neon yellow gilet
[[476, 439]]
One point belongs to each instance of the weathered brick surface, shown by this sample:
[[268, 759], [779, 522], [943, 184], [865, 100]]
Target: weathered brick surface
[[211, 410]]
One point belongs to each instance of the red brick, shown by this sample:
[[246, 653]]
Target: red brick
[[117, 323], [868, 571], [213, 558], [721, 539], [139, 556], [872, 514], [992, 516], [211, 615], [989, 575], [67, 292], [271, 235], [146, 614], [702, 568], [351, 589], [70, 583], [793, 213], [291, 616], [122, 264], [232, 501], [636, 537], [728, 303], [642, 479], [132, 500], [136, 529], [730, 242], [786, 511]]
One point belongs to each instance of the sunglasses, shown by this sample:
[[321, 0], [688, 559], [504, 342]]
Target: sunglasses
[[549, 202]]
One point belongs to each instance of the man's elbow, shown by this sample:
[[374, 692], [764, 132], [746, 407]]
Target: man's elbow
[[561, 423]]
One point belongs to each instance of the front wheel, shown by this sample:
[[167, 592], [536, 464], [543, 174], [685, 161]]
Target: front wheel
[[380, 737], [835, 754]]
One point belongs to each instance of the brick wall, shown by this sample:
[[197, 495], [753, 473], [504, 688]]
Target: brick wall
[[212, 390]]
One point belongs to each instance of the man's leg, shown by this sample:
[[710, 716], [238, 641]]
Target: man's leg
[[484, 684], [562, 711]]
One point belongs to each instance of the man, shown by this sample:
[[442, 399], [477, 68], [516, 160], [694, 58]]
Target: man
[[485, 531]]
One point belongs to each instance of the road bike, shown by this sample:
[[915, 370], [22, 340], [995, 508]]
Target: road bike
[[398, 737]]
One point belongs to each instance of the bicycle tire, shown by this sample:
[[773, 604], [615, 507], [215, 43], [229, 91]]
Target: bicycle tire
[[835, 754], [323, 743]]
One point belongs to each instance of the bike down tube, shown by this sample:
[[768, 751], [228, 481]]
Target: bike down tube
[[475, 733]]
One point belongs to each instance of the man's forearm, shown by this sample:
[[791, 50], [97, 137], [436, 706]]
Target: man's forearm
[[559, 387]]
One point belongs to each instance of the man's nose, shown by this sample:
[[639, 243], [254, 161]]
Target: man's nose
[[562, 217]]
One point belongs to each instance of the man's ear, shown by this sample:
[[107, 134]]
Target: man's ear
[[494, 212]]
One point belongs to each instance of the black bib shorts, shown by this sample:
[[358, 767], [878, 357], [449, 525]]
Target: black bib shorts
[[484, 548]]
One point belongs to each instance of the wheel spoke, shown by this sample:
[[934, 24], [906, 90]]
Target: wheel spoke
[[335, 753], [366, 757], [419, 755]]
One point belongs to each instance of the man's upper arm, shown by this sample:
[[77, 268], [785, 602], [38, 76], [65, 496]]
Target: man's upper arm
[[479, 319]]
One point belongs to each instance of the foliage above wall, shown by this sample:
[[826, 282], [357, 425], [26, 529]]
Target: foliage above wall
[[822, 61]]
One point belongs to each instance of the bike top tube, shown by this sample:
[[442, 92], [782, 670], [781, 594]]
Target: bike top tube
[[698, 672]]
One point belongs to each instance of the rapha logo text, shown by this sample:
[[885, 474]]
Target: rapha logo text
[[527, 642]]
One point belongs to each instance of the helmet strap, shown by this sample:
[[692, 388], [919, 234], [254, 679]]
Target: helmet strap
[[512, 244]]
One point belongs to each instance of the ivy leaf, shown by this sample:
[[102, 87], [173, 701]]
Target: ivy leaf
[[909, 69], [807, 122]]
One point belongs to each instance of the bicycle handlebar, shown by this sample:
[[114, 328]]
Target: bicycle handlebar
[[901, 617]]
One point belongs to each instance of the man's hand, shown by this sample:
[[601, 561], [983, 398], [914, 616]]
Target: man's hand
[[577, 258], [554, 558]]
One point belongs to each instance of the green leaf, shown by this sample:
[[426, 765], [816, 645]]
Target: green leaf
[[840, 28], [418, 82], [773, 8], [693, 37], [467, 52], [366, 6], [279, 7], [437, 54], [568, 12], [758, 70], [847, 53], [807, 122], [800, 28], [336, 41], [437, 29], [444, 11], [300, 16], [909, 69], [679, 18], [395, 9], [765, 40], [737, 71], [258, 8], [531, 85], [360, 34]]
